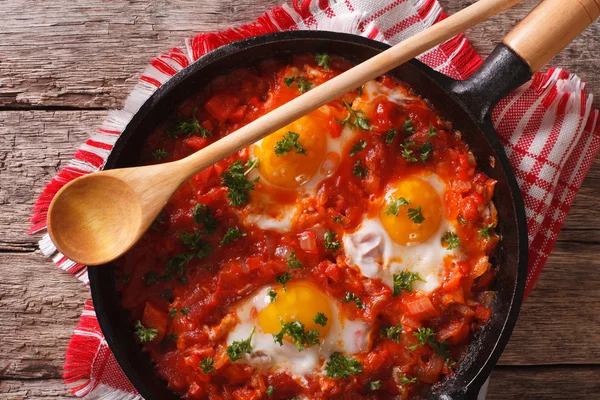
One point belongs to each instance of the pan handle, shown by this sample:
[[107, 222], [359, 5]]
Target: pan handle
[[540, 36]]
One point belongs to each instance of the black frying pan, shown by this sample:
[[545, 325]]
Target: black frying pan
[[467, 104]]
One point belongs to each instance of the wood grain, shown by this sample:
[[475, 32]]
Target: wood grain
[[62, 56]]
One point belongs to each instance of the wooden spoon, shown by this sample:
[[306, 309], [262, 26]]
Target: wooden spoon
[[98, 217]]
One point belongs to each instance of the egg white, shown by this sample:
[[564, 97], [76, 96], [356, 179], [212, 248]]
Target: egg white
[[371, 249], [345, 336]]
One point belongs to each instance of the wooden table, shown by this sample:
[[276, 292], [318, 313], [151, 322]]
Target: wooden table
[[64, 63]]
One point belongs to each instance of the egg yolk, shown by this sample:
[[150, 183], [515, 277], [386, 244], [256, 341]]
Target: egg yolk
[[301, 301], [403, 229], [292, 169]]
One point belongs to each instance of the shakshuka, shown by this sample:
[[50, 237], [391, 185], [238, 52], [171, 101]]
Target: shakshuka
[[344, 256]]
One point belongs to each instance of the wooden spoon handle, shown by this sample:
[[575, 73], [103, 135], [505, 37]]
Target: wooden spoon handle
[[349, 80], [549, 28]]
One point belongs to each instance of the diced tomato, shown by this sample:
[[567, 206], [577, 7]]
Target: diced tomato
[[253, 263], [239, 113], [156, 319], [221, 105], [335, 128], [483, 314], [196, 142], [333, 272]]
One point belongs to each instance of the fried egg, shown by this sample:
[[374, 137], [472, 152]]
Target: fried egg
[[283, 178], [392, 242], [301, 301]]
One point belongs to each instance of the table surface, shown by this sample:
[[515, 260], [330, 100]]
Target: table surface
[[65, 63]]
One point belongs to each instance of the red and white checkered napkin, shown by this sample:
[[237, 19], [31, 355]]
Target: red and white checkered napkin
[[548, 128]]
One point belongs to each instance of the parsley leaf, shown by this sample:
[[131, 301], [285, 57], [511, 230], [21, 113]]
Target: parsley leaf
[[339, 220], [323, 60], [203, 217], [340, 366], [272, 294], [407, 152], [359, 170], [283, 279], [289, 80], [160, 154], [432, 132], [355, 118], [352, 297], [404, 280], [237, 349], [406, 381], [461, 220], [151, 278], [235, 180], [173, 312], [145, 334], [451, 239], [293, 261], [185, 311], [191, 240], [375, 385], [392, 332], [320, 319], [425, 151], [359, 90], [188, 127], [424, 335], [416, 215], [408, 127], [232, 235], [300, 337], [288, 143], [390, 136], [394, 206], [486, 231], [330, 241], [303, 86], [207, 365], [358, 146], [270, 391]]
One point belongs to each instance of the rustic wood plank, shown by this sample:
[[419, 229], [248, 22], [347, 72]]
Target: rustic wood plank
[[39, 308], [72, 53], [33, 389], [545, 383]]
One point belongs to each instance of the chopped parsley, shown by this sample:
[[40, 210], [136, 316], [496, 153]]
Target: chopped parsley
[[390, 136], [359, 90], [238, 184], [340, 366], [203, 217], [392, 332], [461, 219], [330, 241], [339, 220], [394, 207], [408, 127], [303, 85], [407, 152], [289, 80], [407, 381], [145, 334], [283, 279], [416, 215], [237, 349], [375, 385], [232, 235], [424, 336], [451, 239], [300, 337], [173, 312], [185, 311], [151, 278], [270, 391], [188, 127], [272, 294], [486, 231], [288, 143], [323, 60], [425, 151], [320, 319], [191, 240], [352, 297], [293, 261], [357, 147], [355, 118], [359, 170], [432, 132], [207, 365], [160, 154], [404, 280]]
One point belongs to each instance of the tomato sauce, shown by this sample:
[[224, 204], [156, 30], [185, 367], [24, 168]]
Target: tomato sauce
[[185, 300]]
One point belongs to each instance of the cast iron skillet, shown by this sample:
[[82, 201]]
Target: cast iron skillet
[[467, 104]]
